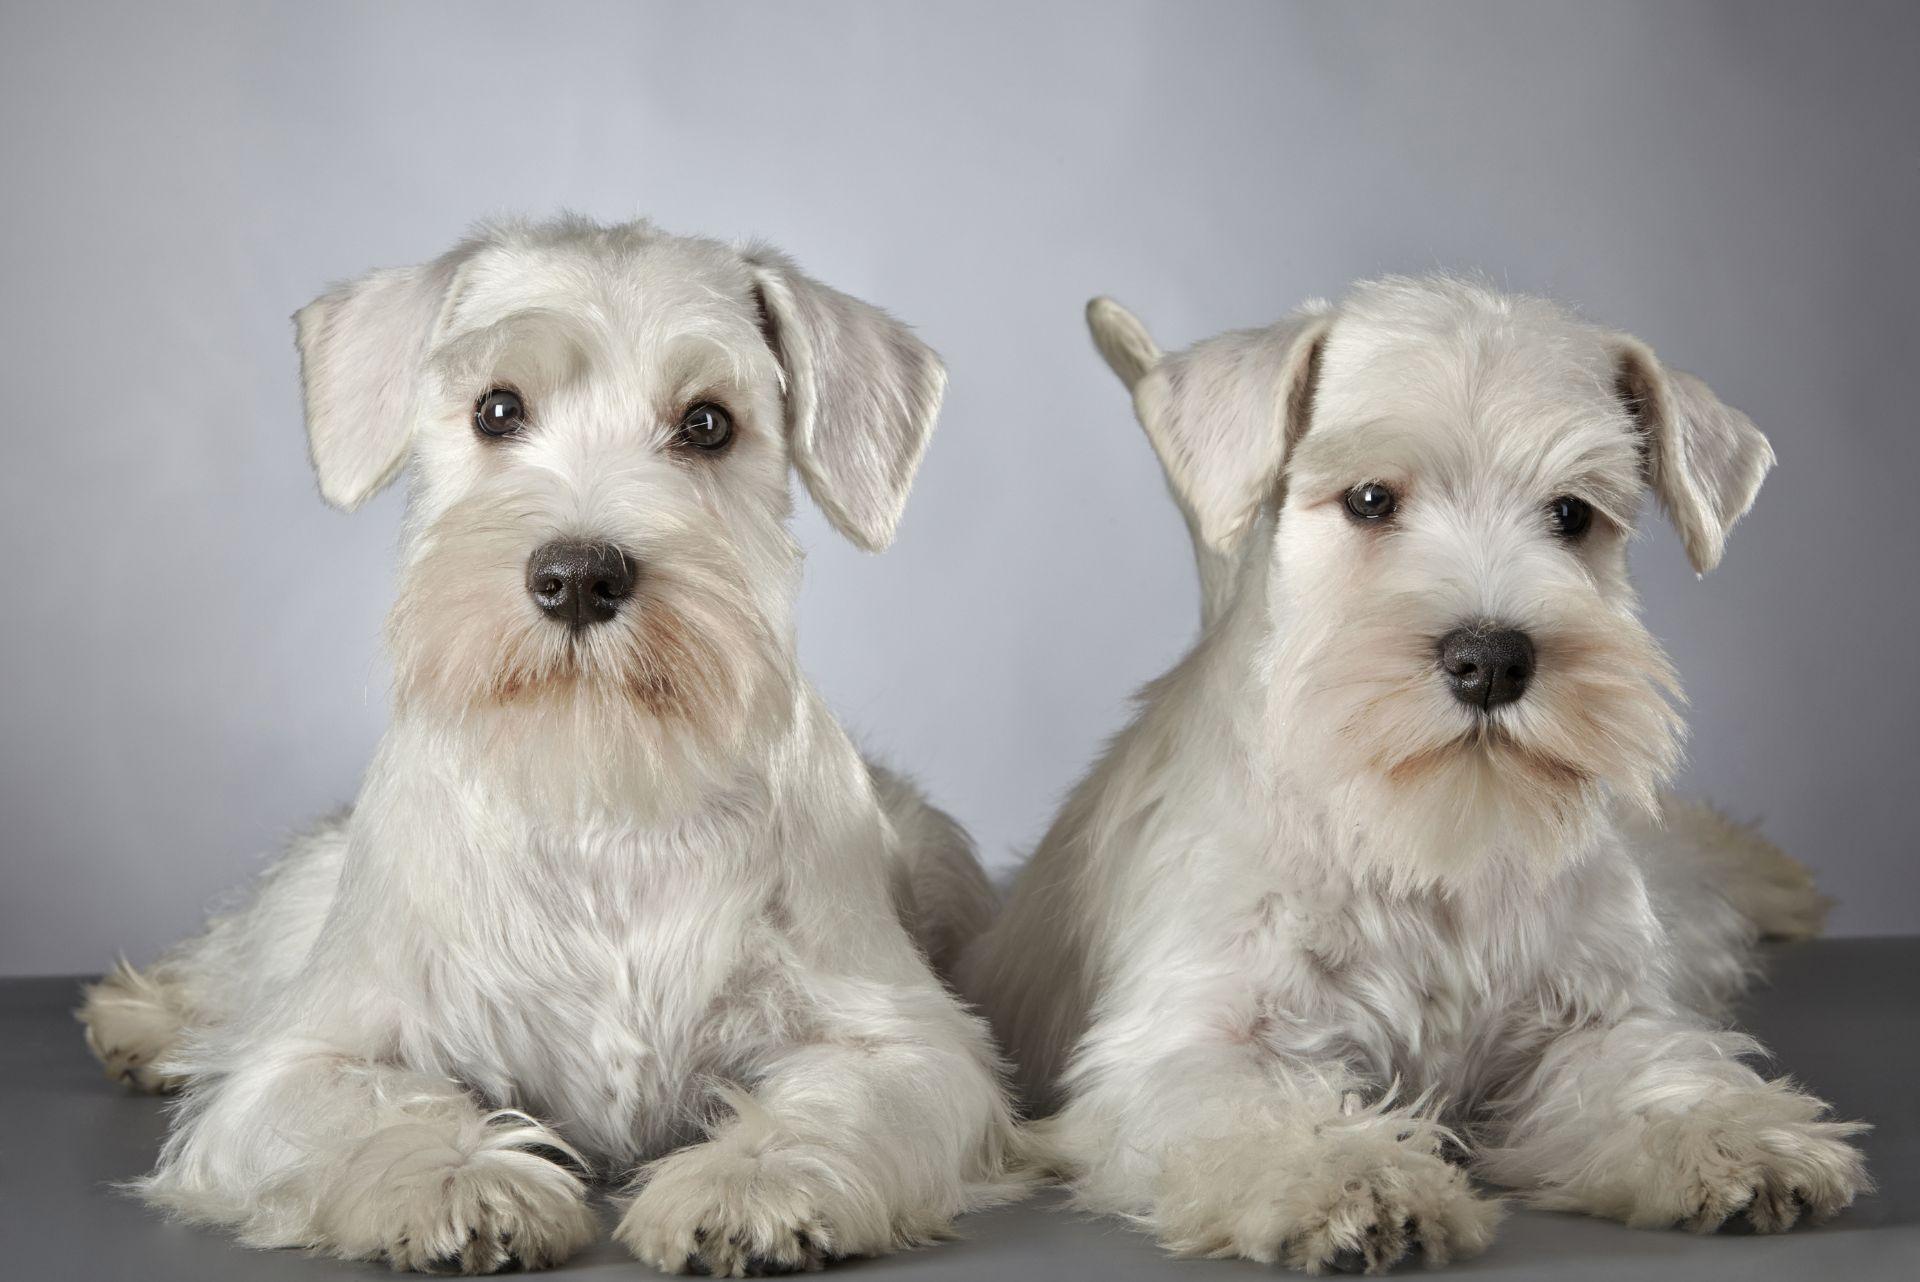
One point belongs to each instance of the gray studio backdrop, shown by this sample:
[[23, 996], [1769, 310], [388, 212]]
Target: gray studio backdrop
[[189, 663]]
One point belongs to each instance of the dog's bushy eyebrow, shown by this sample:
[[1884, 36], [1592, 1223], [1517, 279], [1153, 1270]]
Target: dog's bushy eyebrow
[[1599, 462], [698, 357], [1593, 457], [1341, 454], [702, 357], [535, 345]]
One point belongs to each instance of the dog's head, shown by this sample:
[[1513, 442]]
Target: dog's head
[[599, 423], [1429, 489]]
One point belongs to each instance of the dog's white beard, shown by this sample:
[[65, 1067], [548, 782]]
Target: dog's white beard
[[656, 708], [1418, 788]]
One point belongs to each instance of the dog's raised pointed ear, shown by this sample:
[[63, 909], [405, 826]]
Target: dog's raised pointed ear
[[1123, 340], [363, 351], [1705, 459], [1223, 414], [862, 396]]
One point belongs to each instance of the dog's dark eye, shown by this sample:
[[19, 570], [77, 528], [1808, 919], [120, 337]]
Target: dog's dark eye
[[499, 413], [707, 427], [1570, 516], [1370, 502]]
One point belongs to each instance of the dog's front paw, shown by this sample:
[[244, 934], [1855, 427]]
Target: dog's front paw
[[1762, 1154], [1360, 1198], [719, 1209], [429, 1203]]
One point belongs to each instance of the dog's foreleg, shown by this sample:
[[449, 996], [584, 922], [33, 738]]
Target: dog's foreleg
[[847, 1146], [1224, 1147], [1655, 1120], [301, 1144]]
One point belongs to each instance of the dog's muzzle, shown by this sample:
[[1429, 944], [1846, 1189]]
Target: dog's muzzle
[[1486, 664], [578, 583]]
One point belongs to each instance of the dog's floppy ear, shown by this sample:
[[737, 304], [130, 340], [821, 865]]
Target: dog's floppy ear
[[1223, 414], [363, 350], [862, 395], [1705, 459]]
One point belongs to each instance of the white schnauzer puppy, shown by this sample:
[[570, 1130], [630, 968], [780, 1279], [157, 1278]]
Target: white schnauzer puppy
[[1380, 875], [617, 888]]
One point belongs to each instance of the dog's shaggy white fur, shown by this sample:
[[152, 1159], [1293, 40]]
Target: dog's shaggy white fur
[[1315, 925], [613, 896]]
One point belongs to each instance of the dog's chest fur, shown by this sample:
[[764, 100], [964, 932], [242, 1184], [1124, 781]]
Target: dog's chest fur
[[1439, 989], [606, 979]]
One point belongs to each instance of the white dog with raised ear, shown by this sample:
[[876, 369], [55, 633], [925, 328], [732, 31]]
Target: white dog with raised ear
[[1380, 875], [617, 890]]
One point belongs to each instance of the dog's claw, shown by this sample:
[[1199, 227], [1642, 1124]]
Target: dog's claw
[[560, 1158]]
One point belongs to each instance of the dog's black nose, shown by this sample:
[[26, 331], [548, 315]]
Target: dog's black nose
[[1487, 665], [579, 583]]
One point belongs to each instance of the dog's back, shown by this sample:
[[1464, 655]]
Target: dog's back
[[947, 900]]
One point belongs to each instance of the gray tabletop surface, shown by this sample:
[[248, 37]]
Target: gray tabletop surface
[[1842, 1016]]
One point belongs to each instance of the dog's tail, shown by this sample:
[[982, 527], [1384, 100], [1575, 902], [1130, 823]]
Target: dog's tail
[[1770, 889], [1719, 888], [949, 899]]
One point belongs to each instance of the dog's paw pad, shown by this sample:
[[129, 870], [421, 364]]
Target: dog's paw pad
[[1347, 1260]]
